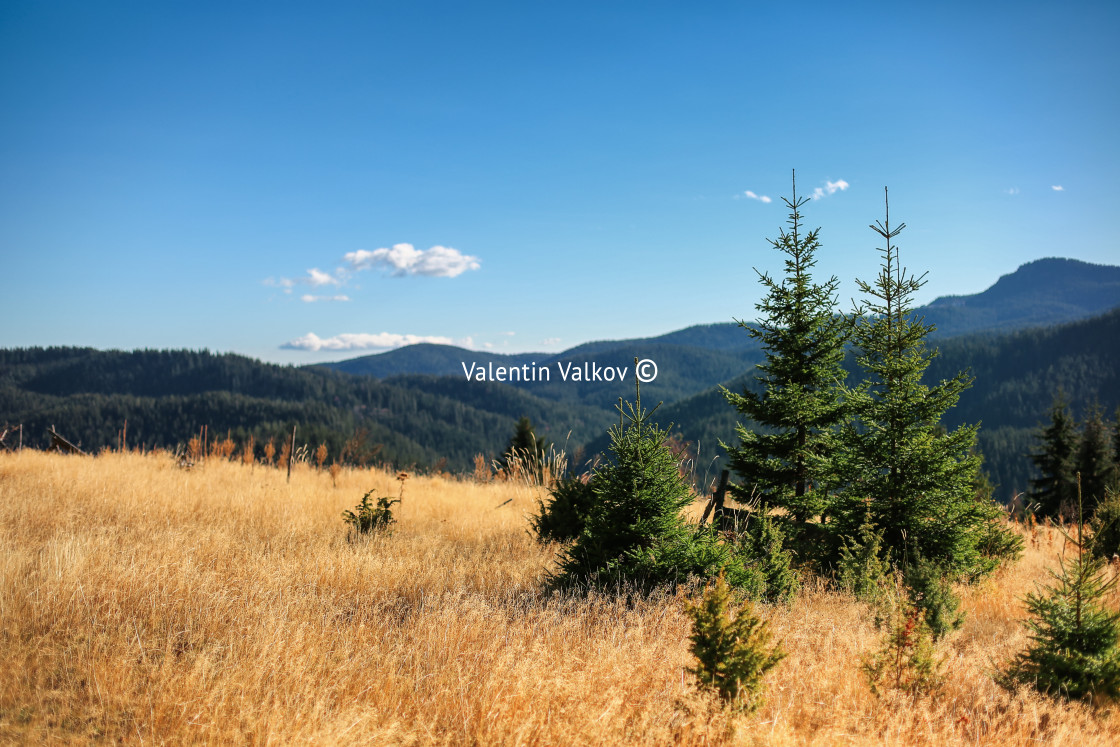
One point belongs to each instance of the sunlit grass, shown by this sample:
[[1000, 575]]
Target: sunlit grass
[[141, 601]]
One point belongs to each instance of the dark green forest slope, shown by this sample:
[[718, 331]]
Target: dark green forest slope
[[166, 396]]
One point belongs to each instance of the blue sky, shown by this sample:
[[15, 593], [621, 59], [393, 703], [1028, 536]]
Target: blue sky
[[303, 182]]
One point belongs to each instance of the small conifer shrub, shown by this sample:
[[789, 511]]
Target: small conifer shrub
[[368, 517], [1073, 652], [864, 568], [999, 543], [563, 516], [1106, 527], [526, 455], [1058, 442], [763, 548], [731, 646], [929, 590], [636, 535], [906, 661]]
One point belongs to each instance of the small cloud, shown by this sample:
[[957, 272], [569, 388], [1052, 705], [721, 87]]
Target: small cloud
[[753, 196], [317, 278], [405, 259], [361, 341], [488, 345], [1012, 191], [550, 341], [308, 298], [830, 188], [285, 283], [1057, 188], [509, 334]]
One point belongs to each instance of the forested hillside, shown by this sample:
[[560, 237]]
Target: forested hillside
[[404, 420], [167, 396]]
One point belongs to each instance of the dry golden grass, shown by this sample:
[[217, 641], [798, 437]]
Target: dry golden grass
[[142, 602]]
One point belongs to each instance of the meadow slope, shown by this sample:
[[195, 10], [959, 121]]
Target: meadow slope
[[147, 603]]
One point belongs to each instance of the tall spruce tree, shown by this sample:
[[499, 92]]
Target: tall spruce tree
[[1056, 487], [906, 474], [784, 455], [1094, 461]]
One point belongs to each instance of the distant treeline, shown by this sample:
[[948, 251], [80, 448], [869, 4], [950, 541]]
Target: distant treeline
[[167, 396], [415, 420]]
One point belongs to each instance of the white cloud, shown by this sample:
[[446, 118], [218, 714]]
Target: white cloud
[[308, 298], [550, 341], [830, 188], [753, 196], [1058, 188], [1012, 191], [405, 259], [316, 277], [360, 341], [285, 283]]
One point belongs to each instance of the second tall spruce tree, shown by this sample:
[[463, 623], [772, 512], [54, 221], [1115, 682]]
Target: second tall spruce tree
[[902, 470]]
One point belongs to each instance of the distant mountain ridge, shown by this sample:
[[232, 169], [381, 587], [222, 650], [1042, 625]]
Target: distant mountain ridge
[[447, 360], [1040, 293], [1044, 292], [692, 368]]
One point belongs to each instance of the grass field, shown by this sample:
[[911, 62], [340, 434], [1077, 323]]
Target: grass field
[[142, 602]]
